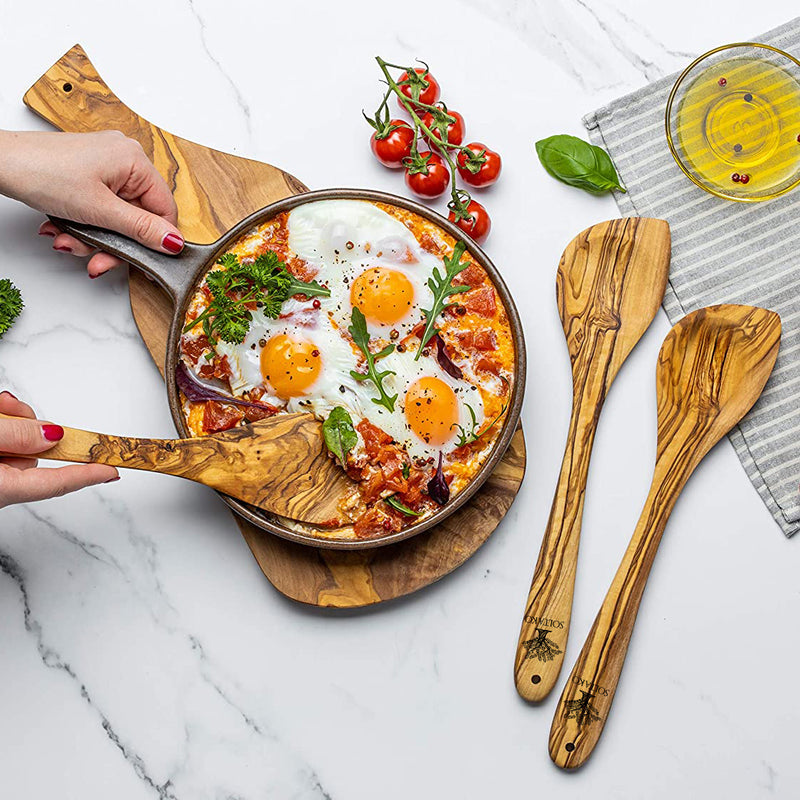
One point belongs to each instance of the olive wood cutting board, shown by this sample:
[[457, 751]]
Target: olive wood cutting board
[[214, 191]]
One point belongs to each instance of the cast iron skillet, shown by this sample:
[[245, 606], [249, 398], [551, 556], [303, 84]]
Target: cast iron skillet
[[179, 275]]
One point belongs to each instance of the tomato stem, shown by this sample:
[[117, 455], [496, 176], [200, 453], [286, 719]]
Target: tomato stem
[[458, 204]]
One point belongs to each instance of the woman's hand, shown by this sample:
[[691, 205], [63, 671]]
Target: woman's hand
[[102, 179], [20, 480]]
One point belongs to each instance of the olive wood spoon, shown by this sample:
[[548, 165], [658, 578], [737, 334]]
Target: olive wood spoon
[[279, 464], [611, 280], [711, 369]]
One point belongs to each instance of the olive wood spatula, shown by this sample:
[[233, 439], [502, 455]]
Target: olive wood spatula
[[610, 283], [711, 369], [278, 464]]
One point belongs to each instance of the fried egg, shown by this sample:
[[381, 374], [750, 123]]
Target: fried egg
[[430, 405], [369, 260]]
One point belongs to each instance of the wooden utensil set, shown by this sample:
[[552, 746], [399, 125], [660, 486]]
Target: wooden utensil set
[[711, 369]]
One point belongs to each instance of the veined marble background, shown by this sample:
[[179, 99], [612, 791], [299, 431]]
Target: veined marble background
[[142, 653]]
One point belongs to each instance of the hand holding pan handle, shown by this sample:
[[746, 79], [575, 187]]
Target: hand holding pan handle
[[175, 274]]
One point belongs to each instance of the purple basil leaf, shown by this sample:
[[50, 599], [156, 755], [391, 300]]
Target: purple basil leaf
[[196, 391], [437, 485], [444, 359]]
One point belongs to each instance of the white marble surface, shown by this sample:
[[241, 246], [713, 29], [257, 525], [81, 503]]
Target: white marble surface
[[142, 653]]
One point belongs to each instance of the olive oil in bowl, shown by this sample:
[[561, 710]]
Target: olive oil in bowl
[[734, 122]]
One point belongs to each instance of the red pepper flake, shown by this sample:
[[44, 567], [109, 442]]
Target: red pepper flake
[[745, 178], [316, 303], [723, 81], [736, 177]]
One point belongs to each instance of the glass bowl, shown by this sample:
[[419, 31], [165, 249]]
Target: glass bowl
[[733, 122]]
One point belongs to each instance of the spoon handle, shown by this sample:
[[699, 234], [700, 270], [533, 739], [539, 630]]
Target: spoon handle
[[583, 709], [545, 624]]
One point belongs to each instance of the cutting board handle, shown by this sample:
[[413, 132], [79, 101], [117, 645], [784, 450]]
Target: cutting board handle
[[72, 96], [175, 273]]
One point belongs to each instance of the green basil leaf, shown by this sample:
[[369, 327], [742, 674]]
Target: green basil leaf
[[402, 507], [339, 434], [578, 163]]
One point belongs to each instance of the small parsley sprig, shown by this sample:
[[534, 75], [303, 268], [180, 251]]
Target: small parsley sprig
[[442, 288], [265, 280], [11, 304], [358, 330]]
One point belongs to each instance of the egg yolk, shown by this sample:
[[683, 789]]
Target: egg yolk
[[432, 410], [290, 366], [383, 295]]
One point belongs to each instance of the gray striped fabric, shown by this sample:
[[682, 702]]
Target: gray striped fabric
[[722, 252]]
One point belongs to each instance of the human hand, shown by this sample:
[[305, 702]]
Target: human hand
[[20, 480], [101, 179]]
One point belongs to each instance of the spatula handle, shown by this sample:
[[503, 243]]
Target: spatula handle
[[169, 456], [545, 624], [585, 703]]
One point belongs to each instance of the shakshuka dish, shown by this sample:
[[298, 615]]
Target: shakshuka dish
[[376, 321]]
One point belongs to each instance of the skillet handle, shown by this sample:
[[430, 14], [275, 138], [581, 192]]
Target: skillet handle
[[174, 273]]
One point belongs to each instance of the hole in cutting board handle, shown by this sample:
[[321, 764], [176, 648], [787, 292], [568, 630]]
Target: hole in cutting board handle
[[67, 87]]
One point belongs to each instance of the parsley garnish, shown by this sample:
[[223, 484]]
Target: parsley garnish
[[10, 304], [358, 330], [395, 503], [265, 280], [442, 288]]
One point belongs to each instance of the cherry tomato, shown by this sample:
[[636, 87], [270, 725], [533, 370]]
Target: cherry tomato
[[488, 171], [479, 226], [455, 130], [433, 181], [428, 94], [395, 146]]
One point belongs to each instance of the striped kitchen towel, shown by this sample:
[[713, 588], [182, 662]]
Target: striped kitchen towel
[[722, 252]]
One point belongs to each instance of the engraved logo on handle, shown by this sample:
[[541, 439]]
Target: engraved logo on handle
[[540, 646]]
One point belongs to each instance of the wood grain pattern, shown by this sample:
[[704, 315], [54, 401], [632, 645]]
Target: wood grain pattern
[[211, 188], [711, 369], [610, 283], [279, 464], [213, 191]]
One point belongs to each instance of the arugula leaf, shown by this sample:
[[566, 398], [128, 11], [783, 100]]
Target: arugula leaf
[[578, 163], [467, 437], [265, 280], [339, 434], [442, 288], [405, 470], [11, 304], [358, 330], [395, 503]]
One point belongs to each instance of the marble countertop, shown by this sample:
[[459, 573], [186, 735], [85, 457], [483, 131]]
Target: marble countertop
[[143, 654]]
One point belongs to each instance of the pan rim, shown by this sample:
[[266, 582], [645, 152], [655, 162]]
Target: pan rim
[[254, 516]]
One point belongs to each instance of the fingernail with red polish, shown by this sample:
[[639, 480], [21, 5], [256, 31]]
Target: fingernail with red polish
[[62, 248], [96, 276], [112, 480], [53, 433], [172, 243]]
